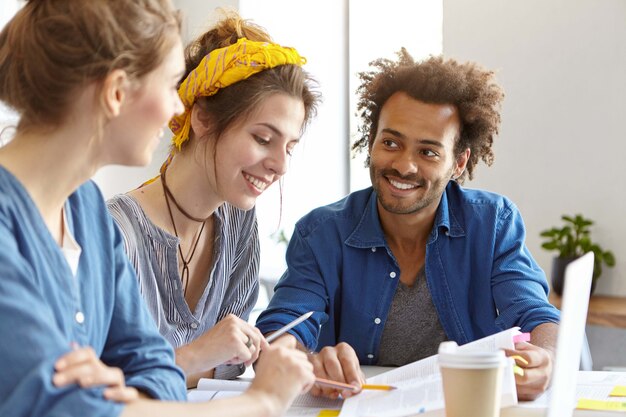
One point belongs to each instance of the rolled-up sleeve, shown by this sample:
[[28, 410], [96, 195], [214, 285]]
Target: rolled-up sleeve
[[519, 285]]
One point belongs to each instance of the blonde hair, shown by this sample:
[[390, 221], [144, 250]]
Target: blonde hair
[[52, 48]]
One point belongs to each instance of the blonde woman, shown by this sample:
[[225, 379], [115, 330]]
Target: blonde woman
[[94, 84]]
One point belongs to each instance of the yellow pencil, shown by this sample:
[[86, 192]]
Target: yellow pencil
[[342, 386], [379, 387]]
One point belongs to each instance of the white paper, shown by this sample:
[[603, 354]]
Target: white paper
[[591, 385], [419, 384], [211, 389]]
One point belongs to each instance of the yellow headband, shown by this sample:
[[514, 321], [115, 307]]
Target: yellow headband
[[223, 67]]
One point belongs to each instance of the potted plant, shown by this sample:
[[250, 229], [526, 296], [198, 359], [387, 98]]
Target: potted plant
[[572, 241]]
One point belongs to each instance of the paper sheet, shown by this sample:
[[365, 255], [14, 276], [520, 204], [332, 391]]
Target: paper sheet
[[595, 385], [211, 389], [419, 384]]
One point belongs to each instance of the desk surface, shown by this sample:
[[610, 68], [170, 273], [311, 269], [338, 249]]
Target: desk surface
[[603, 310]]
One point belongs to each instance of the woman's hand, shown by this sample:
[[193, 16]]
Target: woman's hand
[[83, 367], [281, 374], [231, 341]]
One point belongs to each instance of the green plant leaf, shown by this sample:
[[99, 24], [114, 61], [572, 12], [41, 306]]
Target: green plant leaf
[[609, 259], [573, 239]]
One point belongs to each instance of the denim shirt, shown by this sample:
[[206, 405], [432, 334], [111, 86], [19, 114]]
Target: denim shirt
[[44, 308], [480, 274]]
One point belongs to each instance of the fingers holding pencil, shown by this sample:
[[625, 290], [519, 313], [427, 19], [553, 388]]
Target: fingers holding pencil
[[339, 363]]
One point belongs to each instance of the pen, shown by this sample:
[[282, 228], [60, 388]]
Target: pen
[[283, 329]]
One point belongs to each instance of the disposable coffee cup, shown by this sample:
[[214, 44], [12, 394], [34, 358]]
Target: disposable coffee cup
[[472, 381]]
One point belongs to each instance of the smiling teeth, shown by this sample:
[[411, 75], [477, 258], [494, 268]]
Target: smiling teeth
[[256, 182], [401, 185]]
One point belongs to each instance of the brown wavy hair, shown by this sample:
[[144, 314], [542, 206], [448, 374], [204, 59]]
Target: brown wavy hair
[[234, 103], [467, 86], [52, 48]]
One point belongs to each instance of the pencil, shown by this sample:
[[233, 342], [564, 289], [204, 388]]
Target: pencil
[[379, 387], [341, 385], [334, 384]]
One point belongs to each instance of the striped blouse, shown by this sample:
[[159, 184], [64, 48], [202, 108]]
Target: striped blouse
[[233, 285]]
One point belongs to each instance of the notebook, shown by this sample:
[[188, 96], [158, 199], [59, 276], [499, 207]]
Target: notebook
[[574, 304]]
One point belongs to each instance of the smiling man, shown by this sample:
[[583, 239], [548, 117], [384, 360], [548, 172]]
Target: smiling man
[[393, 270]]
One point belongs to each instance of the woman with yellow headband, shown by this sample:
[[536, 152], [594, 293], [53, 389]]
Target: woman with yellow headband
[[191, 233]]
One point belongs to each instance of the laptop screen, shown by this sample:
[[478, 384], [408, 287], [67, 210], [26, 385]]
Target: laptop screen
[[574, 304]]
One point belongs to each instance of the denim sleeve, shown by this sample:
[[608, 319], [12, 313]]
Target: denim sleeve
[[519, 285], [300, 290], [134, 343], [31, 342]]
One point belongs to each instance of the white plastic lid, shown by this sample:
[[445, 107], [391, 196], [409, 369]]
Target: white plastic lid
[[450, 356]]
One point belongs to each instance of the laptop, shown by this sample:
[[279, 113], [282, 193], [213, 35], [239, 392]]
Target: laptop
[[574, 304]]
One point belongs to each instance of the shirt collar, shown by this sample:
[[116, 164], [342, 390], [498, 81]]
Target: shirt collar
[[369, 233], [448, 215]]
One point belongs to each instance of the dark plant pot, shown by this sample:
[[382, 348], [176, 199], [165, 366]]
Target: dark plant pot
[[558, 274]]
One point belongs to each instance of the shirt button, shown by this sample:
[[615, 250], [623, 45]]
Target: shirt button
[[80, 317], [377, 320], [194, 325], [370, 356], [373, 249], [392, 274]]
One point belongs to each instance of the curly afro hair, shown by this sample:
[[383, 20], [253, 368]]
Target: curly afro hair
[[467, 86]]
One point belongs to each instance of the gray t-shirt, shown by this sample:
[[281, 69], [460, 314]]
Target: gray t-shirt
[[412, 330], [233, 285]]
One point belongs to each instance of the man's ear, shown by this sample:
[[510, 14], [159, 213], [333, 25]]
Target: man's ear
[[114, 92], [461, 163]]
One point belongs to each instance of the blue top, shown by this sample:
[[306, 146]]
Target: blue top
[[40, 299], [480, 274]]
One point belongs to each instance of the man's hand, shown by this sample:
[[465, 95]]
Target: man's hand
[[537, 364], [338, 363]]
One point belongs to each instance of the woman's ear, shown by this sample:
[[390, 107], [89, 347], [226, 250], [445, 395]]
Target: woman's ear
[[199, 122], [114, 92]]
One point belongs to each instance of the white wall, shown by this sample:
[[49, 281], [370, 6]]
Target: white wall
[[318, 171], [418, 28], [562, 143]]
